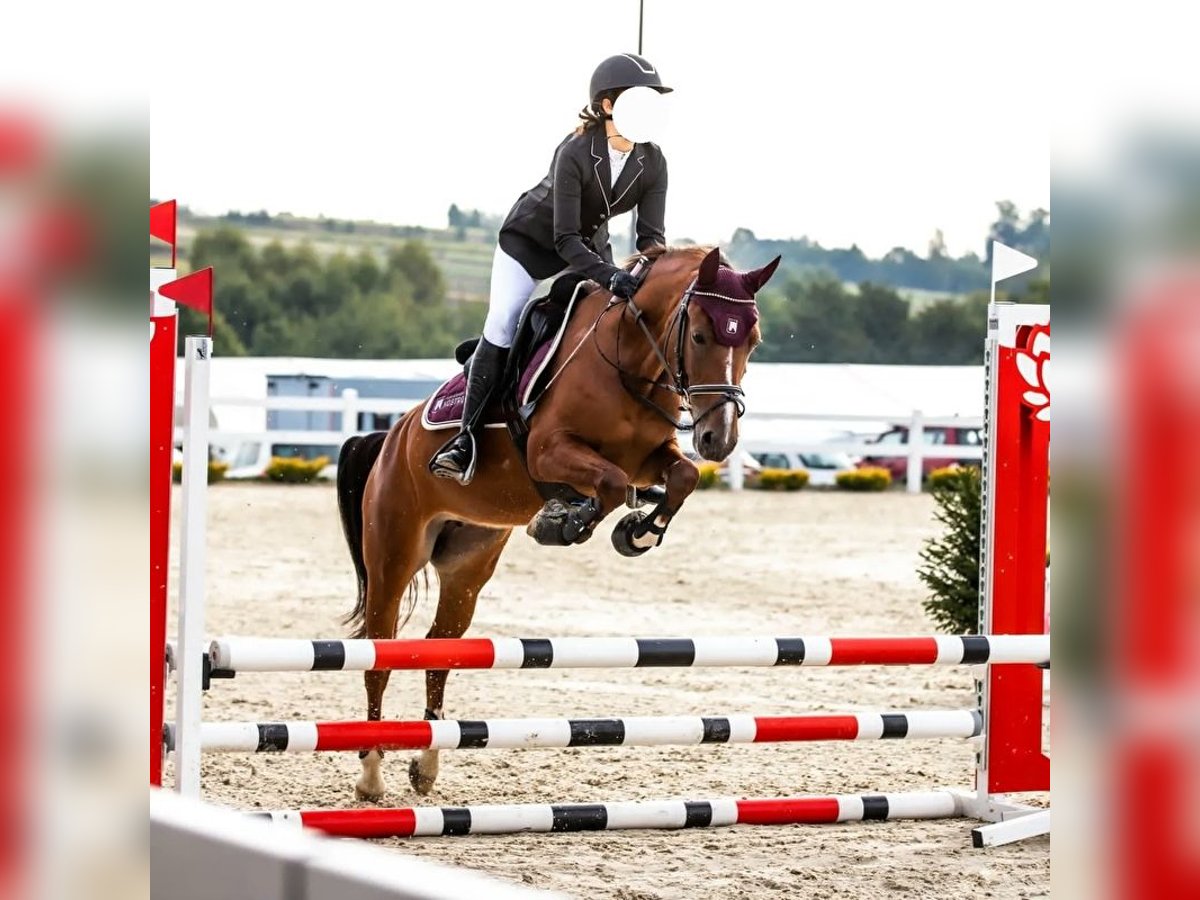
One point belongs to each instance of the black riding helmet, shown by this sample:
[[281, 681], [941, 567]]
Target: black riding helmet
[[625, 70]]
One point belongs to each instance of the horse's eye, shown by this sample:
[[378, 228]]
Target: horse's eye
[[698, 338]]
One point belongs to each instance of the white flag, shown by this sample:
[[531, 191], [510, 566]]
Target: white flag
[[1007, 262]]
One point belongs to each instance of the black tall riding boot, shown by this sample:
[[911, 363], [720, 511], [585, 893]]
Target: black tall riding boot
[[458, 457]]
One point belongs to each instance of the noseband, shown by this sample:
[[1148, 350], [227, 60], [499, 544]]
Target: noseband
[[673, 379]]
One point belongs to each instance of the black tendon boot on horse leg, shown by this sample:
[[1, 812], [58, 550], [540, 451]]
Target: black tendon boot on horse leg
[[458, 456]]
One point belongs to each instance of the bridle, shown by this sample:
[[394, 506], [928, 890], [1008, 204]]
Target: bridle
[[673, 379]]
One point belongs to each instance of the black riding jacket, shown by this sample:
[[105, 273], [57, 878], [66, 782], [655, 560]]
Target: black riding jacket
[[562, 222]]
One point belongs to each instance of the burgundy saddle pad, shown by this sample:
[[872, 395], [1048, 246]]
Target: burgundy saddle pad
[[444, 408]]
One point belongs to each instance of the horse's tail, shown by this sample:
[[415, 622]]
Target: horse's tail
[[355, 461]]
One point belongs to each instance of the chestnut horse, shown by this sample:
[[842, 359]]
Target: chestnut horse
[[624, 372]]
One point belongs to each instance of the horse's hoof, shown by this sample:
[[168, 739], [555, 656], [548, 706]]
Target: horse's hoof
[[371, 790], [547, 526], [370, 784], [560, 525], [422, 784], [624, 538]]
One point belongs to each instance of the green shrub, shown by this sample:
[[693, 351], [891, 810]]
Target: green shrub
[[216, 471], [950, 567], [782, 479], [868, 478], [295, 471], [708, 475]]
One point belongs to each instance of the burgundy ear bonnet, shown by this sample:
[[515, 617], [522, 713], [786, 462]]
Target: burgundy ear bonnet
[[728, 298]]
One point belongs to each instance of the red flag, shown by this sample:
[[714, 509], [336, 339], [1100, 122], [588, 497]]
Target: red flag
[[195, 290], [162, 224]]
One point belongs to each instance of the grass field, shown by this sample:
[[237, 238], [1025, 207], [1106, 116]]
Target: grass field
[[466, 264]]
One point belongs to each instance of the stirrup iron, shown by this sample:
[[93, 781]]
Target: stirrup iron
[[442, 470]]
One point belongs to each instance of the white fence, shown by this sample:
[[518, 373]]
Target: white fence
[[761, 432]]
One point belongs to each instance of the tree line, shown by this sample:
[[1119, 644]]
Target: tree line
[[289, 301], [817, 319]]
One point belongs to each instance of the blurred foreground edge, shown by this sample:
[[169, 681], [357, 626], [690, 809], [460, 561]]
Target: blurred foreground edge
[[199, 851], [1156, 630]]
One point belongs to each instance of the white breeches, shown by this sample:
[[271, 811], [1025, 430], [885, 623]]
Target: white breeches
[[511, 287]]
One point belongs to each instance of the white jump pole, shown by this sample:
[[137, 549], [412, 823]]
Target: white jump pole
[[190, 647]]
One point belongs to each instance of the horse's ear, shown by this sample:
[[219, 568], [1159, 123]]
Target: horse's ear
[[708, 268], [756, 279]]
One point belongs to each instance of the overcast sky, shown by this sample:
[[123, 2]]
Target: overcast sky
[[874, 123]]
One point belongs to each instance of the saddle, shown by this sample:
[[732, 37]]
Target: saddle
[[527, 371], [541, 325]]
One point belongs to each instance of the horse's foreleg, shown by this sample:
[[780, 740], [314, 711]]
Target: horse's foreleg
[[383, 604], [638, 532], [569, 460], [465, 557], [395, 549]]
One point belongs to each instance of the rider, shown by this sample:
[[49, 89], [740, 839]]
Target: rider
[[562, 223]]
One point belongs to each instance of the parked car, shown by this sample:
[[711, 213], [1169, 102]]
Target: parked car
[[253, 457], [896, 438], [822, 468], [852, 437]]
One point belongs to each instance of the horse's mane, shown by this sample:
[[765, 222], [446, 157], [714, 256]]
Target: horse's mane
[[658, 250]]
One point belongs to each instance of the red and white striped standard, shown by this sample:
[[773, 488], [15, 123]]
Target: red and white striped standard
[[660, 814], [240, 654], [633, 731]]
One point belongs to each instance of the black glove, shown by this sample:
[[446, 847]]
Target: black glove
[[622, 284]]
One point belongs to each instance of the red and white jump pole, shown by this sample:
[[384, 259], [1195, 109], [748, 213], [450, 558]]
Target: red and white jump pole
[[428, 821], [627, 731], [236, 654]]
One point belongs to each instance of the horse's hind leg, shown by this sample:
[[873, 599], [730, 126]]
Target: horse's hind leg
[[465, 557], [396, 549]]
